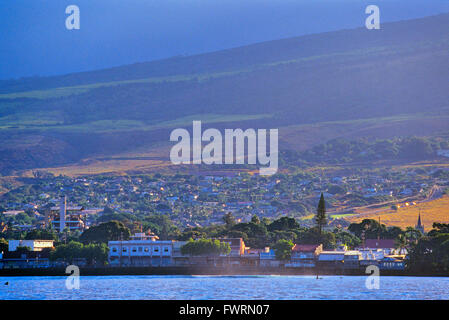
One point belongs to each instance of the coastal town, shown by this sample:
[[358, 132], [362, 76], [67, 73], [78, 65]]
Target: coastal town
[[201, 199], [224, 159], [223, 221], [146, 250]]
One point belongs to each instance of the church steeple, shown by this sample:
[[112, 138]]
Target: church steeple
[[419, 226]]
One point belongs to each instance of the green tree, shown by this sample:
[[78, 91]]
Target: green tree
[[94, 253], [255, 219], [104, 232], [3, 245], [23, 249], [320, 218], [431, 253], [67, 252], [205, 247], [370, 227], [394, 232], [41, 235], [229, 220], [401, 243], [347, 238], [312, 236], [162, 226], [191, 234], [283, 249], [412, 235], [283, 224]]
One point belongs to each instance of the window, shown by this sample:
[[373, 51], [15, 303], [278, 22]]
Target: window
[[165, 249], [156, 249], [125, 249], [140, 249], [114, 249], [146, 249], [134, 249]]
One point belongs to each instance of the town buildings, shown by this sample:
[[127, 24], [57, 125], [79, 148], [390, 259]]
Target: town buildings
[[147, 250], [62, 217], [37, 255], [33, 245], [305, 255], [141, 250]]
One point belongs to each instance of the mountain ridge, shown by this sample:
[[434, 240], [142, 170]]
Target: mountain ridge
[[168, 65], [349, 75]]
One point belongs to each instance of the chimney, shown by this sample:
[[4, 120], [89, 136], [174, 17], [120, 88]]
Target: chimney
[[62, 212]]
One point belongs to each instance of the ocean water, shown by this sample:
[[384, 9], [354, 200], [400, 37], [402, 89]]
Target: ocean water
[[223, 287]]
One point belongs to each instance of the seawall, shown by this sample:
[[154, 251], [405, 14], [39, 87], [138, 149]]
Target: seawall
[[200, 270]]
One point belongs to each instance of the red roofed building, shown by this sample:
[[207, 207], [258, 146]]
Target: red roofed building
[[380, 243], [304, 255]]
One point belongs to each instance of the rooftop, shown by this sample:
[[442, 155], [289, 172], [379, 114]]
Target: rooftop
[[380, 243], [305, 247]]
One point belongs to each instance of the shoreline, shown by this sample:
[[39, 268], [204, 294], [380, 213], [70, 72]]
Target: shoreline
[[205, 271]]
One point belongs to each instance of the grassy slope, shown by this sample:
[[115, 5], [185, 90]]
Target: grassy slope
[[348, 83], [431, 211]]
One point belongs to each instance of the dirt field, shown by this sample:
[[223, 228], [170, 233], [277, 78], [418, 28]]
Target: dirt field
[[431, 211]]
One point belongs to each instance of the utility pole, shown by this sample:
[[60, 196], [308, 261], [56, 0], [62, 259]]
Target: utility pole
[[363, 239], [120, 256], [378, 232]]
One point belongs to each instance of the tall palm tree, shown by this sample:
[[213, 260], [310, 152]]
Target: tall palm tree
[[401, 243], [412, 235]]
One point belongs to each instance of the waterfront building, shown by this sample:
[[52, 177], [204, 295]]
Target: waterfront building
[[267, 258], [178, 259], [305, 255], [392, 263], [370, 256], [34, 245], [347, 259], [36, 257], [252, 257], [331, 259], [237, 246], [31, 259], [379, 244], [351, 259], [386, 245], [141, 250]]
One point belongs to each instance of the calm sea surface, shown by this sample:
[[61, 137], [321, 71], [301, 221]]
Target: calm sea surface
[[224, 287]]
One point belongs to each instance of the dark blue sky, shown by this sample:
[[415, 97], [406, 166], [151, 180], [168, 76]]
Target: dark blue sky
[[34, 40]]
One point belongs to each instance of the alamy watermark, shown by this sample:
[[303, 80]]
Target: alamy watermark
[[373, 280], [191, 151], [73, 280], [73, 20], [373, 20]]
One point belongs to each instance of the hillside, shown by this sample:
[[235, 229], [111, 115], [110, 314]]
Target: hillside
[[407, 216], [350, 83]]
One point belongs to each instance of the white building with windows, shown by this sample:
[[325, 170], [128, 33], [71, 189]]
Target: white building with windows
[[141, 250], [34, 245]]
